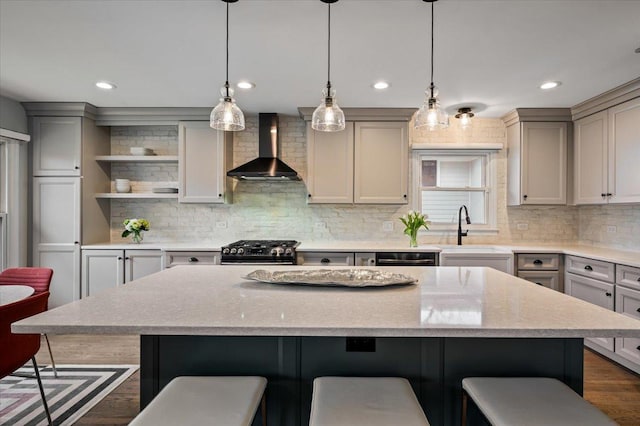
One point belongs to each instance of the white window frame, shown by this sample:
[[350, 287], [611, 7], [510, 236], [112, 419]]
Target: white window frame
[[491, 227]]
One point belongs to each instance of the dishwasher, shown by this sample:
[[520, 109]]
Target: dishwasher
[[412, 258]]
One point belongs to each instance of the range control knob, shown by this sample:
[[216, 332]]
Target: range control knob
[[233, 251], [225, 250], [240, 250], [280, 250], [287, 252], [274, 252]]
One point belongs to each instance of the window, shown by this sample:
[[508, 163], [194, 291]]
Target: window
[[445, 180]]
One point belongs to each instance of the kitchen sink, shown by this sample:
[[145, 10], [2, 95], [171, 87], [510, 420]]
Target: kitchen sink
[[491, 256]]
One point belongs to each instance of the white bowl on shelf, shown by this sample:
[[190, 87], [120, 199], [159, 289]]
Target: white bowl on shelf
[[138, 150]]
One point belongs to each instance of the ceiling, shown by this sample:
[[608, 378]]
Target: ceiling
[[491, 54]]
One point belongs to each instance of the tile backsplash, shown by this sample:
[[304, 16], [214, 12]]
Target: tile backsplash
[[280, 210]]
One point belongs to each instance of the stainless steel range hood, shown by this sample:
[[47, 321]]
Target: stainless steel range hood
[[267, 166]]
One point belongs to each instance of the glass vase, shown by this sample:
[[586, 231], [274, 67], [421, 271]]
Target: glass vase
[[413, 238], [137, 237]]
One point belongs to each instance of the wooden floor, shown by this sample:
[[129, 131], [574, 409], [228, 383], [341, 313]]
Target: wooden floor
[[613, 389]]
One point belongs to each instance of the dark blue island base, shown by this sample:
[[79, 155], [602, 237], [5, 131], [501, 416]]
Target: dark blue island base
[[435, 366]]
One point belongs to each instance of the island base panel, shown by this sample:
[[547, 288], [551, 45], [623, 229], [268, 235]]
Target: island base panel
[[434, 366]]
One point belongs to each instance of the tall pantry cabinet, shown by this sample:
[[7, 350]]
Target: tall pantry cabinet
[[64, 210]]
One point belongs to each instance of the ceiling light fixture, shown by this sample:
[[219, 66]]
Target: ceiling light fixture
[[245, 85], [381, 85], [105, 85], [549, 85], [465, 115], [431, 114], [226, 115], [328, 117]]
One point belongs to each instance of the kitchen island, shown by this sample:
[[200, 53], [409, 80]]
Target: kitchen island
[[455, 322]]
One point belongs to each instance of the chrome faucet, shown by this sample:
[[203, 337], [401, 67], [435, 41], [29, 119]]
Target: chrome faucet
[[460, 233]]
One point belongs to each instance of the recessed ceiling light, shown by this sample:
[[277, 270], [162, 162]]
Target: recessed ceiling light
[[549, 85], [380, 85], [105, 85], [246, 85]]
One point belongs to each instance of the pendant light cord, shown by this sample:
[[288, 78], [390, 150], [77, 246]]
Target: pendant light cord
[[226, 83], [431, 86], [329, 50]]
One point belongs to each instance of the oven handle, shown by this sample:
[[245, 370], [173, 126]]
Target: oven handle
[[408, 262]]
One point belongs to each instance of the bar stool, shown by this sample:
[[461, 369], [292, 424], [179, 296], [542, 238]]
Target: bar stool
[[365, 401], [219, 400], [529, 401]]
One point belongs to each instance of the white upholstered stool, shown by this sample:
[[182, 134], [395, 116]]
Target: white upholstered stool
[[211, 400], [370, 401], [530, 401]]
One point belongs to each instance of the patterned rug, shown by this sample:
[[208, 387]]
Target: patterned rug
[[76, 390]]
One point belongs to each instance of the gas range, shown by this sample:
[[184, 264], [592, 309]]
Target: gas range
[[260, 252]]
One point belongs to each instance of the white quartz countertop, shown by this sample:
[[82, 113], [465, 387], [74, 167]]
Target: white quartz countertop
[[631, 258], [446, 302]]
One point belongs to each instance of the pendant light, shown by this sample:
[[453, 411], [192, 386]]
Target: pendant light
[[226, 115], [431, 114], [328, 117], [465, 115]]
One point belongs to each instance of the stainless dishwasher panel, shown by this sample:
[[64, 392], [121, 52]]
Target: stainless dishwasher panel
[[407, 259]]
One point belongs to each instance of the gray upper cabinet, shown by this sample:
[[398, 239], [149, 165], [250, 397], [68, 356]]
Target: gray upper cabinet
[[367, 163], [204, 156], [536, 163], [607, 149], [57, 143]]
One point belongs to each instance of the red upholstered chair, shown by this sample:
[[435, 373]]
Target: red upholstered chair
[[17, 349], [37, 278]]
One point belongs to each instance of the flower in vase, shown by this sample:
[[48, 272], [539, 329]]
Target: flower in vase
[[413, 221], [135, 227]]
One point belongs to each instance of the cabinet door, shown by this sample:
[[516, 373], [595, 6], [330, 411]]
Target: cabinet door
[[330, 162], [628, 303], [56, 211], [64, 259], [201, 163], [624, 152], [381, 163], [544, 159], [592, 291], [590, 159], [139, 263], [57, 146], [101, 270]]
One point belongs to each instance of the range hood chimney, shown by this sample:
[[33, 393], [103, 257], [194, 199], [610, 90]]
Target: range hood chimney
[[267, 166]]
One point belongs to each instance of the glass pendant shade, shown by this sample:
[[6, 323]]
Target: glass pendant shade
[[431, 115], [226, 115], [328, 117], [465, 115]]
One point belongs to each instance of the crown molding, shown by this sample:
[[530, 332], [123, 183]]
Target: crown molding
[[10, 134], [142, 116], [536, 114], [60, 109], [607, 99], [366, 114]]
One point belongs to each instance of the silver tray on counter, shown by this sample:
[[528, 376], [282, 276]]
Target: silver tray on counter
[[332, 277]]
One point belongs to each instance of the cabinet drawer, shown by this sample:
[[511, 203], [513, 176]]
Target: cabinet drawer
[[590, 290], [535, 261], [173, 258], [629, 348], [628, 302], [628, 275], [325, 259], [591, 268], [549, 279]]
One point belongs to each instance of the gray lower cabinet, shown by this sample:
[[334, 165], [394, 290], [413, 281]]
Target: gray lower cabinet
[[594, 291], [105, 269], [544, 269], [628, 303], [317, 258]]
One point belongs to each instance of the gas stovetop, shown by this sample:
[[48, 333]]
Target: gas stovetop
[[260, 251]]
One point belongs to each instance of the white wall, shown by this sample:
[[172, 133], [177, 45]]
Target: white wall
[[12, 115]]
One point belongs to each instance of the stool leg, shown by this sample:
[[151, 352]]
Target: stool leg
[[465, 400], [53, 363], [263, 409]]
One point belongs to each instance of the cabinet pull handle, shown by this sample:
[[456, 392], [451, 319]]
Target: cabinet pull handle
[[524, 196], [193, 259], [638, 348], [219, 195], [127, 258], [638, 279], [539, 283], [638, 310], [76, 242], [309, 195], [325, 261], [609, 194], [119, 257], [77, 167], [537, 262], [603, 195], [404, 196], [588, 268], [608, 294]]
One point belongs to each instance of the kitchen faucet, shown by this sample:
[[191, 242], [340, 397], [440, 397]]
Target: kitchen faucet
[[460, 233]]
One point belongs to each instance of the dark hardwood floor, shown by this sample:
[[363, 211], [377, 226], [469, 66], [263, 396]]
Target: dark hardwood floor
[[613, 389]]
